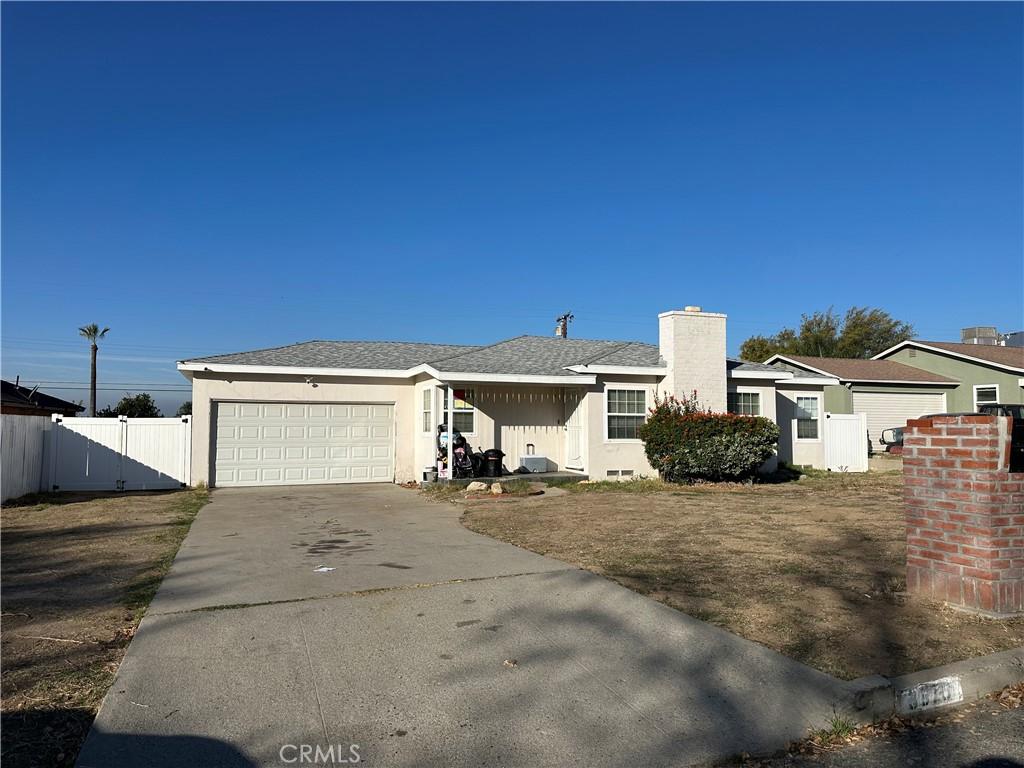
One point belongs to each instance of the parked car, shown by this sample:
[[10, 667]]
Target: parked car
[[892, 439], [1016, 412]]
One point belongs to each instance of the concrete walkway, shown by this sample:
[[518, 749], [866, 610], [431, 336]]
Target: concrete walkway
[[428, 645]]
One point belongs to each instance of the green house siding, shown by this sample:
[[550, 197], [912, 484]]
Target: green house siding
[[969, 373], [838, 399]]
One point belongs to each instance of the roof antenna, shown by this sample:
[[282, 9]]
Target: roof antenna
[[562, 327]]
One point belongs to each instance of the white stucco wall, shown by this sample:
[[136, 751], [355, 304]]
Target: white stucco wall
[[605, 454], [800, 452], [287, 389]]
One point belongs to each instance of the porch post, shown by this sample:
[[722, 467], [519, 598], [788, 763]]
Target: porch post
[[450, 418]]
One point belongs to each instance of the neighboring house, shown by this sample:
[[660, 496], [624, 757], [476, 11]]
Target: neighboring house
[[18, 400], [985, 374], [915, 378], [888, 393], [353, 411]]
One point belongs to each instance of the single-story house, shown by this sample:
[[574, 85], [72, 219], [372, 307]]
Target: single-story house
[[915, 378], [25, 401], [889, 393], [984, 373], [359, 411]]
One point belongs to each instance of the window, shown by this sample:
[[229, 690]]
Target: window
[[744, 403], [985, 393], [626, 409], [427, 410], [464, 412], [807, 418]]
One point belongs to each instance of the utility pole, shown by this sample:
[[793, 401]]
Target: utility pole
[[562, 327]]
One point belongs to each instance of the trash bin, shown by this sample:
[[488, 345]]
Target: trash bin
[[492, 462]]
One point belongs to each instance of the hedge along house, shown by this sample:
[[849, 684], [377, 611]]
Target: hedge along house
[[888, 393], [353, 411]]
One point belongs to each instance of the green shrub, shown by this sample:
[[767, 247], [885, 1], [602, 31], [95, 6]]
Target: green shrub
[[686, 443]]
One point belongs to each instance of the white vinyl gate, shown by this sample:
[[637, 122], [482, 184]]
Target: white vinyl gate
[[121, 454], [846, 442]]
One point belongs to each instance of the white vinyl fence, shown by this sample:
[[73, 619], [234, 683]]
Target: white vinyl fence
[[120, 454], [846, 442], [22, 451]]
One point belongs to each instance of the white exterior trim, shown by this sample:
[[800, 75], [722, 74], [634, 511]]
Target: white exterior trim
[[939, 351], [974, 392], [734, 374], [819, 396], [783, 358], [385, 373], [283, 370], [631, 370], [511, 378], [604, 416], [814, 381]]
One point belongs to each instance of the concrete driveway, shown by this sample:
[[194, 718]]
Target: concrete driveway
[[427, 645]]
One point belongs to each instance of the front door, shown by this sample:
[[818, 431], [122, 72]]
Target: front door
[[573, 429]]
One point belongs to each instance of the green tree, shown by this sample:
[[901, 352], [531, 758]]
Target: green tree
[[93, 334], [862, 332], [185, 409], [140, 406]]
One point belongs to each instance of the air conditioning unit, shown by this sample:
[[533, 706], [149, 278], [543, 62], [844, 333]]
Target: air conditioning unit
[[534, 463]]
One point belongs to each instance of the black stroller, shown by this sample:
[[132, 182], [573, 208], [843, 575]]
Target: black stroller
[[463, 462]]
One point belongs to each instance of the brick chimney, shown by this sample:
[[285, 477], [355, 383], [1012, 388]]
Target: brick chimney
[[692, 343]]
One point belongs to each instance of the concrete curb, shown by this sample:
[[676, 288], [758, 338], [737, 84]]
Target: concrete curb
[[875, 697]]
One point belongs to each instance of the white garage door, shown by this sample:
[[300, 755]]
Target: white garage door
[[892, 409], [303, 443]]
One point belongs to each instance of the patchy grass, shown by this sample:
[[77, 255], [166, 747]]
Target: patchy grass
[[814, 569], [635, 485], [78, 570], [457, 491]]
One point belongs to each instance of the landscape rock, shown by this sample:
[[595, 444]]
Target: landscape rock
[[496, 489], [476, 487]]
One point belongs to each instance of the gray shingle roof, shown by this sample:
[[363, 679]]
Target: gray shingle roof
[[523, 355], [387, 355], [547, 356], [732, 364]]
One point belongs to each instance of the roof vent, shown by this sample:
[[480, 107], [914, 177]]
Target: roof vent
[[691, 308]]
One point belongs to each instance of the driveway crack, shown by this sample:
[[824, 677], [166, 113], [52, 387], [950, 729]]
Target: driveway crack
[[358, 592], [316, 688]]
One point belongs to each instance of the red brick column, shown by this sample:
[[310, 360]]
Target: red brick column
[[965, 513]]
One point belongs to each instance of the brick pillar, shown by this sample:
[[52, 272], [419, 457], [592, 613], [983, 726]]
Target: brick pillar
[[965, 513]]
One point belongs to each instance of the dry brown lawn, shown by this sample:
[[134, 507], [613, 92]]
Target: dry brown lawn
[[78, 571], [814, 569]]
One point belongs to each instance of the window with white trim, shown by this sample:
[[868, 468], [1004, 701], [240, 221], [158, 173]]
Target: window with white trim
[[985, 393], [427, 409], [463, 412], [625, 410], [744, 403], [807, 421]]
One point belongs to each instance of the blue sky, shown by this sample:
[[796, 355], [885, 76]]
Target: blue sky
[[210, 178]]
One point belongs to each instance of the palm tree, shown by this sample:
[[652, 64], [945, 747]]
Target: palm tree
[[93, 333]]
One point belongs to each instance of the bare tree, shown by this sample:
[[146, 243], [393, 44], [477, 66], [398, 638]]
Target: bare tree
[[93, 333]]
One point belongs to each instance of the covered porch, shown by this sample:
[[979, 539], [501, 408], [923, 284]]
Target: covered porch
[[540, 425]]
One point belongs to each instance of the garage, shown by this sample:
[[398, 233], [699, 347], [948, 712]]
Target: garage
[[893, 409], [303, 443]]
